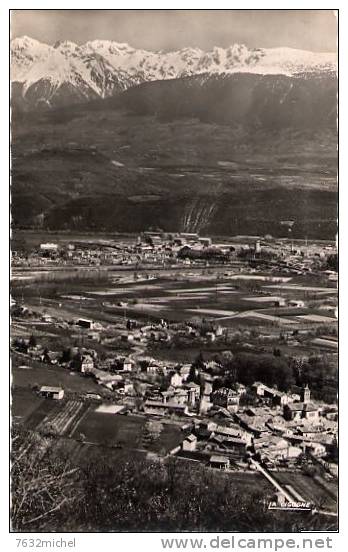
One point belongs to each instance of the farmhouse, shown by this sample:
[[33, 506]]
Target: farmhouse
[[275, 448], [121, 364], [93, 396], [189, 443], [180, 396], [185, 371], [234, 432], [277, 397], [207, 390], [298, 303], [156, 369], [48, 246], [219, 462], [85, 323], [160, 408], [176, 380], [300, 410], [317, 449], [226, 398], [233, 445], [194, 391], [51, 392], [253, 424], [258, 388], [87, 364]]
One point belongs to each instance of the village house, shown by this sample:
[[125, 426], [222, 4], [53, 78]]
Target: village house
[[50, 392], [166, 396], [175, 380], [37, 353], [127, 365], [204, 429], [233, 431], [233, 445], [189, 443], [93, 396], [301, 410], [253, 424], [185, 371], [86, 323], [219, 462], [258, 388], [275, 448], [124, 387], [204, 406], [297, 303], [213, 366], [326, 441], [51, 357], [240, 389], [155, 369], [194, 391], [121, 364], [317, 449], [207, 391], [180, 396], [87, 364], [227, 398], [277, 397], [206, 377], [219, 413], [127, 337], [162, 409]]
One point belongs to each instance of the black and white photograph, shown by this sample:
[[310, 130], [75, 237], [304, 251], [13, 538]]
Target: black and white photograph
[[174, 271]]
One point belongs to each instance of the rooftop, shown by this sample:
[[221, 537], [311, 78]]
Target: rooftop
[[307, 407], [215, 458], [50, 389]]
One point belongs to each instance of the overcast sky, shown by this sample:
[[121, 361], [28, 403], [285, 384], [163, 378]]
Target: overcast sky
[[173, 29]]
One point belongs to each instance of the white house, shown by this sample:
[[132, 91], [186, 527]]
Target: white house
[[298, 303], [176, 380], [190, 442], [87, 364], [51, 392]]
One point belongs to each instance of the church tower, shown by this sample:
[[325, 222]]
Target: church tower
[[305, 394]]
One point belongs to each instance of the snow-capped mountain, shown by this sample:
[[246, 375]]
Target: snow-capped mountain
[[67, 72]]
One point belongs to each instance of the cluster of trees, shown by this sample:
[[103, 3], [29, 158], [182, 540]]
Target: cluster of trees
[[274, 370], [246, 368], [332, 262], [208, 254], [131, 494], [23, 345], [248, 285], [321, 375]]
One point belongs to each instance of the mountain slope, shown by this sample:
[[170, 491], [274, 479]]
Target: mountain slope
[[267, 101], [224, 142], [101, 166]]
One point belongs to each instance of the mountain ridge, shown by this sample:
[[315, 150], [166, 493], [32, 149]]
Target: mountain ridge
[[102, 68]]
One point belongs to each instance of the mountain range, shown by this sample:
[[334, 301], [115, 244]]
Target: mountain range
[[64, 73], [233, 141]]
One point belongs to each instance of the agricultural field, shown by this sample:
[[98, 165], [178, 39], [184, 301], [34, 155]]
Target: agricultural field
[[233, 299], [128, 432], [321, 493], [23, 405], [81, 454], [43, 374], [178, 300]]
